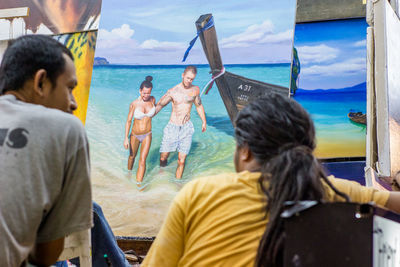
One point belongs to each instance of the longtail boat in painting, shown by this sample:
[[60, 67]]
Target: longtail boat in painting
[[358, 117], [236, 91]]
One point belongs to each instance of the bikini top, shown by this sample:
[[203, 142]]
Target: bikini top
[[140, 115]]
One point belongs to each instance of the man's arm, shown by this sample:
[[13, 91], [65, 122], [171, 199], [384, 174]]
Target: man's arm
[[165, 99], [362, 194], [46, 254], [200, 110], [128, 125]]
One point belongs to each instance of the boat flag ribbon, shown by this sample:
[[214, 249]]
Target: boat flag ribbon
[[209, 24], [209, 85]]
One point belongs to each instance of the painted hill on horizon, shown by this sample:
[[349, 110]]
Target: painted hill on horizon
[[353, 89], [99, 61]]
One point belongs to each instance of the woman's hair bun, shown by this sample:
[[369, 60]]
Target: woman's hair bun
[[147, 83]]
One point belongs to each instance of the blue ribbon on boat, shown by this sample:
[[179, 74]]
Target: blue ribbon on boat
[[209, 24]]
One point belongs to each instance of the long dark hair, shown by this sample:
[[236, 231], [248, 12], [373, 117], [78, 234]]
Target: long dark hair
[[281, 136]]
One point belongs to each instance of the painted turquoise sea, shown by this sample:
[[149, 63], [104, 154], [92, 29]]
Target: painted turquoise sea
[[113, 88]]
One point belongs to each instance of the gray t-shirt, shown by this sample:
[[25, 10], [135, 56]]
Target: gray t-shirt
[[45, 190]]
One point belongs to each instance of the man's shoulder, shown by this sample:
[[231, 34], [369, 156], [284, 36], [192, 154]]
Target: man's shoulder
[[213, 181], [205, 189], [225, 180], [64, 119], [196, 89], [54, 121], [173, 92], [40, 115], [199, 185], [174, 89]]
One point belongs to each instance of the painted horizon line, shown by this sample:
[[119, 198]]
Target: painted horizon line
[[182, 65]]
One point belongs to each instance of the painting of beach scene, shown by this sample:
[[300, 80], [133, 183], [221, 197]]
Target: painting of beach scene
[[138, 39], [332, 84]]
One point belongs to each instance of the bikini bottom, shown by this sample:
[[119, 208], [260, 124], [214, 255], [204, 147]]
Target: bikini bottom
[[139, 137]]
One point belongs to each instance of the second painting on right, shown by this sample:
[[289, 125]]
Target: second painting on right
[[329, 71]]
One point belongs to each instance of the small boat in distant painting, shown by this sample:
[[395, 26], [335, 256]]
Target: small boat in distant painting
[[358, 117]]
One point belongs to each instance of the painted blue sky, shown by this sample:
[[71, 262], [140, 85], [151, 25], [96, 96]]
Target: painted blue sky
[[332, 54], [159, 31]]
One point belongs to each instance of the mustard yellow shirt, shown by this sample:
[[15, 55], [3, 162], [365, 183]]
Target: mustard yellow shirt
[[219, 220]]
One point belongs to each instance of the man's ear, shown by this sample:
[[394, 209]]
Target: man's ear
[[39, 79], [245, 153]]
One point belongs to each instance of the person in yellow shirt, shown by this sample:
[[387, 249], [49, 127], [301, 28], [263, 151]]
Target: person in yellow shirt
[[234, 219]]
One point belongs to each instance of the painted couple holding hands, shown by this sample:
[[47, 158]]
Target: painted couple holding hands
[[177, 135]]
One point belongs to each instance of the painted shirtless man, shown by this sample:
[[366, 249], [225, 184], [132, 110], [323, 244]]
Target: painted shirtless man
[[179, 130]]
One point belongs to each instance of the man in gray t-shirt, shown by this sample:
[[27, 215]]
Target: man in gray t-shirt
[[45, 191]]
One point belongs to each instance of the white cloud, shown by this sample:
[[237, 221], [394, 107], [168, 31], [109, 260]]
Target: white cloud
[[120, 46], [257, 34], [124, 32], [130, 50], [116, 44], [280, 37], [152, 44], [121, 37], [317, 53], [116, 38], [345, 68], [253, 33], [361, 43]]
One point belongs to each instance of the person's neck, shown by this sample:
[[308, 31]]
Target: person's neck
[[19, 95], [184, 87], [254, 169], [250, 166], [144, 101]]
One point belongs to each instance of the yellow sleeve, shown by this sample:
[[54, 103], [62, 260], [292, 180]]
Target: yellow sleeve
[[168, 246], [357, 192]]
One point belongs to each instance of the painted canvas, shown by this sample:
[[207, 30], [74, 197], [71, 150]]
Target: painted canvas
[[331, 83], [82, 45], [48, 17], [138, 39]]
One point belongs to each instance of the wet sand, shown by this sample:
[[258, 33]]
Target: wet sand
[[129, 211]]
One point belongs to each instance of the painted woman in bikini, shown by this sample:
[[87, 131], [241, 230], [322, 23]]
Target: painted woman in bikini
[[141, 110]]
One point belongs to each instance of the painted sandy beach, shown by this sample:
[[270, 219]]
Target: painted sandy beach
[[337, 135]]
